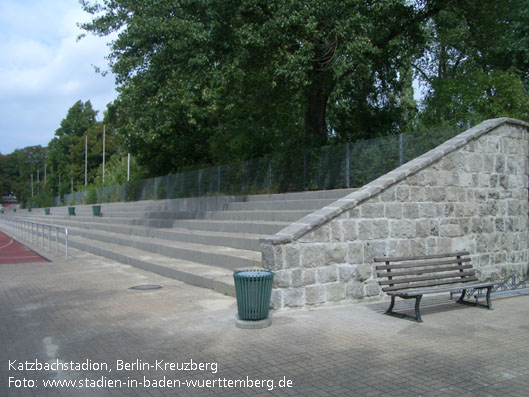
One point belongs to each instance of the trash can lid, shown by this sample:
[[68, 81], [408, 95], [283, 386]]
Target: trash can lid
[[253, 273]]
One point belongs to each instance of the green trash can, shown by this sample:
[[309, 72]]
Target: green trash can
[[71, 210], [96, 210], [46, 211], [253, 289]]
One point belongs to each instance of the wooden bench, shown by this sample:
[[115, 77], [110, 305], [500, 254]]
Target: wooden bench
[[414, 276]]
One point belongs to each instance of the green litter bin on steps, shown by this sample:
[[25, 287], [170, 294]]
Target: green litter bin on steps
[[253, 289]]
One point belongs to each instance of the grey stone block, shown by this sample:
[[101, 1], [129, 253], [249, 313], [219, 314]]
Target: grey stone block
[[315, 294], [350, 229], [402, 193], [328, 274], [363, 272], [380, 229], [296, 278], [346, 272], [375, 210], [450, 230], [410, 210], [334, 292], [336, 231], [291, 253], [276, 298], [365, 230], [312, 255], [372, 289], [309, 276], [394, 210], [272, 256], [355, 253], [355, 290], [294, 297], [374, 249], [335, 253], [281, 279], [322, 234], [402, 229]]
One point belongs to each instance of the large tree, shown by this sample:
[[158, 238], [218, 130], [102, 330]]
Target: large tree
[[19, 168], [206, 81], [62, 159]]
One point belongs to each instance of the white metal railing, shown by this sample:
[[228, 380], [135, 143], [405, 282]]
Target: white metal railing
[[37, 233]]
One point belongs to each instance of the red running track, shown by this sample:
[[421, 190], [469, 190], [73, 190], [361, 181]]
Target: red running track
[[12, 251]]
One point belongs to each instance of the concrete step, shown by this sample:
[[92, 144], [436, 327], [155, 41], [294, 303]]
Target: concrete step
[[335, 194], [270, 216], [217, 256], [234, 240], [283, 216], [278, 205], [200, 275], [252, 227]]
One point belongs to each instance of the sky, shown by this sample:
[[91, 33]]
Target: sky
[[44, 69]]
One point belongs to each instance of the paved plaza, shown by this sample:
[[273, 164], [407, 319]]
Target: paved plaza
[[76, 328]]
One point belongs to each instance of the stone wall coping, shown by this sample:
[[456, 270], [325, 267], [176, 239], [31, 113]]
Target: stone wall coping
[[312, 221]]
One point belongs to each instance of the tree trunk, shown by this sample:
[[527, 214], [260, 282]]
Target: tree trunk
[[315, 116]]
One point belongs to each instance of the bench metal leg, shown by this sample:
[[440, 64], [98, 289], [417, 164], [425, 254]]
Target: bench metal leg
[[462, 297], [417, 309], [406, 316], [489, 303], [390, 308]]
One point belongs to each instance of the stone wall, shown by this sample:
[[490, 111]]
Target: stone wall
[[470, 193]]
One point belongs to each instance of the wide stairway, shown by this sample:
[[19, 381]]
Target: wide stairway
[[200, 241]]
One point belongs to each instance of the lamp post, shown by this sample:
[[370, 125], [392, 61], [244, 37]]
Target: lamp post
[[85, 159], [103, 153]]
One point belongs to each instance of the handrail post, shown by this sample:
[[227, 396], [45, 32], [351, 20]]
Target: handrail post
[[66, 243]]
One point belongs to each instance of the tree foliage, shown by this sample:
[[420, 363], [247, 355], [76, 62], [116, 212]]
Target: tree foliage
[[477, 65], [213, 81], [17, 170], [65, 157]]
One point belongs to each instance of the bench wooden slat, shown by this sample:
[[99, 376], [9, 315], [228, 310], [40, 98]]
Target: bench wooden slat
[[407, 258], [409, 280], [422, 264], [456, 287], [421, 271], [428, 284]]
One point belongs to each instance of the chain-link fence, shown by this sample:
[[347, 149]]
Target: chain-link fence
[[341, 166]]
